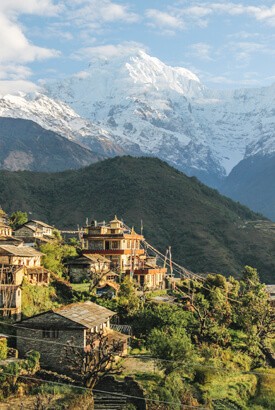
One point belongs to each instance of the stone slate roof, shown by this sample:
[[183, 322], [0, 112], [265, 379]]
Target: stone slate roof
[[9, 240], [39, 223], [88, 314], [19, 250], [96, 258], [76, 315], [90, 259], [30, 227]]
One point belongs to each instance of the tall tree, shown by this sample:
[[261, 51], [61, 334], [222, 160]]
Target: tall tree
[[18, 218], [94, 361]]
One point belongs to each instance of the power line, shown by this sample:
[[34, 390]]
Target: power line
[[222, 369], [142, 356], [103, 391]]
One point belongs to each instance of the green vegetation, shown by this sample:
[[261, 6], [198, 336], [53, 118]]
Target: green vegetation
[[81, 287], [18, 218], [3, 349], [265, 397], [59, 397], [37, 299], [10, 371], [127, 300], [55, 252], [209, 348], [207, 232], [252, 183]]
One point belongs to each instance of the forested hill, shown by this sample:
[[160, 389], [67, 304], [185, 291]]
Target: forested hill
[[207, 232], [25, 145]]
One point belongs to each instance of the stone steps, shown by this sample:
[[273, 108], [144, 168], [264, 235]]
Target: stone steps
[[109, 401]]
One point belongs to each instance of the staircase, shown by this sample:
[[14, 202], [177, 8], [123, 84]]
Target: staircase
[[110, 401]]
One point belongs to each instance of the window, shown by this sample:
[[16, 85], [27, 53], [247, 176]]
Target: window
[[115, 245], [46, 334], [55, 333], [50, 333]]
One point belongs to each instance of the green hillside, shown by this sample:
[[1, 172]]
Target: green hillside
[[252, 183], [207, 232]]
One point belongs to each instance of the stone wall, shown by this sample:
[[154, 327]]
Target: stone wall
[[49, 338]]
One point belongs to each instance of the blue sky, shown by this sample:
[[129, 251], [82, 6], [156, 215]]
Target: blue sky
[[227, 44]]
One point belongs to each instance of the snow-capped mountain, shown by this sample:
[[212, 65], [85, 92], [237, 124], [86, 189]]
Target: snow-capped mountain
[[138, 97], [136, 104], [168, 112], [58, 117]]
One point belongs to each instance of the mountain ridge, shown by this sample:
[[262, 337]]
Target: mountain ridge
[[207, 232], [170, 114], [25, 145], [135, 104]]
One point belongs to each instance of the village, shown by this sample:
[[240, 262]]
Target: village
[[84, 339], [110, 252]]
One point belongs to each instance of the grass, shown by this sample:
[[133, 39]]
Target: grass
[[265, 396], [155, 293], [80, 287], [237, 388]]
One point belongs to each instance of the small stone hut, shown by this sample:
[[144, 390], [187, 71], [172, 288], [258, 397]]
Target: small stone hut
[[50, 332]]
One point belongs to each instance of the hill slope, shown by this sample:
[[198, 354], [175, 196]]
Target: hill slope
[[252, 183], [207, 232], [24, 145]]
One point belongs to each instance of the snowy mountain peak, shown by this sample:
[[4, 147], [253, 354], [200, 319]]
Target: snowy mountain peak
[[131, 75], [145, 69], [132, 102]]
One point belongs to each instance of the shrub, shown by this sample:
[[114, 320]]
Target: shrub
[[3, 349]]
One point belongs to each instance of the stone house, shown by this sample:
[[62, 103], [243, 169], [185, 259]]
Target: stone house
[[83, 268], [19, 255], [34, 232], [50, 332]]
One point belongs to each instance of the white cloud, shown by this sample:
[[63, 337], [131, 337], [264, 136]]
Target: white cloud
[[244, 35], [201, 51], [39, 7], [244, 50], [13, 72], [225, 80], [14, 86], [108, 51], [81, 75], [93, 14], [163, 20], [199, 12], [16, 49]]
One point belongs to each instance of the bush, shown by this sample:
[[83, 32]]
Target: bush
[[3, 349]]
